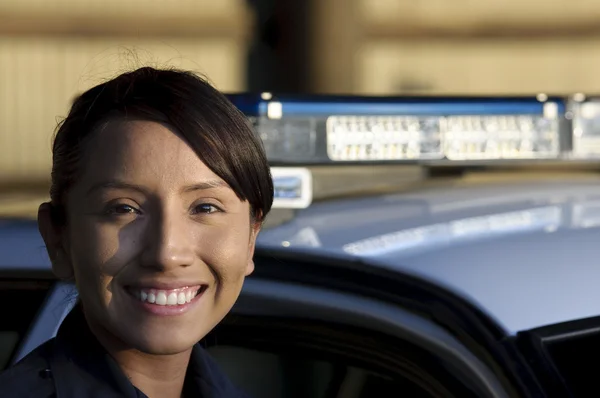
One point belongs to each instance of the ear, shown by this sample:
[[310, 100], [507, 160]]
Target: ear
[[53, 238], [251, 246]]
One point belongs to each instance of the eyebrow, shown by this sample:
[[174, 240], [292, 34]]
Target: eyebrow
[[116, 184], [206, 185]]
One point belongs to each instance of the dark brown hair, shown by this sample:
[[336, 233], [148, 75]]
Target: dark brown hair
[[214, 128]]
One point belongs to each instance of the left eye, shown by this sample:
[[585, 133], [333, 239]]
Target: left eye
[[206, 208]]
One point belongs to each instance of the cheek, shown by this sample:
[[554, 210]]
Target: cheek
[[99, 252], [226, 252]]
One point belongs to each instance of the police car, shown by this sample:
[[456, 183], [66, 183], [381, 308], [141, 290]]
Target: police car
[[460, 262]]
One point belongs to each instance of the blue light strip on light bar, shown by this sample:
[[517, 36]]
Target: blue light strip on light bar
[[255, 105]]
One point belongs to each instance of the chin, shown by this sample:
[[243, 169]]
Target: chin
[[161, 341], [163, 346]]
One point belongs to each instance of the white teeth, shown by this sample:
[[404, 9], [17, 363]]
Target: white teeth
[[172, 299], [151, 298], [161, 298]]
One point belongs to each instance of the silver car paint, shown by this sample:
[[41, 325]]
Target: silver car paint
[[525, 253]]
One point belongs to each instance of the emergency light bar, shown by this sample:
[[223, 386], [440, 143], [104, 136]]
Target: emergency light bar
[[335, 129]]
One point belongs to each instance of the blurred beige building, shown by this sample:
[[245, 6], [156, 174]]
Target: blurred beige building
[[51, 50], [456, 46]]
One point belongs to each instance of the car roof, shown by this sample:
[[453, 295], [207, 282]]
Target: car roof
[[524, 251]]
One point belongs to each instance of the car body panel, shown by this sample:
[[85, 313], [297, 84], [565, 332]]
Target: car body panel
[[21, 246], [525, 252]]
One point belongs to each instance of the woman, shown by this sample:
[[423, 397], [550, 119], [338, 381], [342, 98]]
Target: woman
[[159, 188]]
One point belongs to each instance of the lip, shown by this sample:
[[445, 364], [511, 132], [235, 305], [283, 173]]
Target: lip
[[165, 310], [158, 285]]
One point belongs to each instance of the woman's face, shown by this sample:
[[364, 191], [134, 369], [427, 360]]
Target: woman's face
[[158, 244]]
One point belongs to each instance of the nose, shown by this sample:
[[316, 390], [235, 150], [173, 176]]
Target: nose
[[168, 244]]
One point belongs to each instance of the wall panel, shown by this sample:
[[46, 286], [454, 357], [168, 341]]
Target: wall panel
[[39, 77]]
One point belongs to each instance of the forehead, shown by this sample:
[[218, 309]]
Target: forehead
[[142, 150]]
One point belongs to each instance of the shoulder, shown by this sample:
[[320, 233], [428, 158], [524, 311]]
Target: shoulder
[[30, 377]]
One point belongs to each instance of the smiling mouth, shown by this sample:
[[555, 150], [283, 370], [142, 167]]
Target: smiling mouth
[[171, 297]]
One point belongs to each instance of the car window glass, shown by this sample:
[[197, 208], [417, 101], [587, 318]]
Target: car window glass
[[574, 358], [269, 375]]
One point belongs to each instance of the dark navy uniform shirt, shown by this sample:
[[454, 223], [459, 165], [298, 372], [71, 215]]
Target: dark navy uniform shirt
[[75, 365]]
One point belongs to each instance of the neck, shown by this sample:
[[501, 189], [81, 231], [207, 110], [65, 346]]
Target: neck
[[154, 375]]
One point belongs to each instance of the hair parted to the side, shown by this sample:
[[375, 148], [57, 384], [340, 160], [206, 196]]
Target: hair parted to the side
[[213, 127]]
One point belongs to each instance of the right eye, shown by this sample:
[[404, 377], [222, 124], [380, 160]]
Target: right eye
[[121, 209]]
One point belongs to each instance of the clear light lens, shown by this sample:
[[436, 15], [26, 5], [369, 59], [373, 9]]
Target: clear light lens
[[292, 187], [287, 187], [351, 138], [500, 137], [289, 139], [586, 129]]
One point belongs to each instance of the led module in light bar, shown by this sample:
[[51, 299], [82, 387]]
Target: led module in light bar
[[500, 137], [586, 127], [289, 140], [383, 138]]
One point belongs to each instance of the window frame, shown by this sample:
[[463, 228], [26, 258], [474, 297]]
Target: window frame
[[270, 298], [536, 345], [346, 348]]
